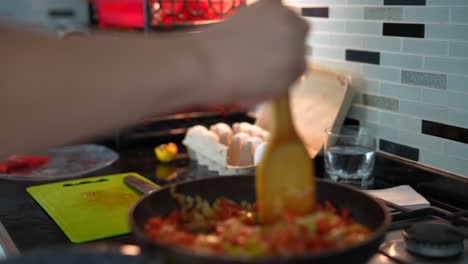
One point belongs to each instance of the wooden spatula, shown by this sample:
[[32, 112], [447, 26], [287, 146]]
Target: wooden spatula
[[285, 180]]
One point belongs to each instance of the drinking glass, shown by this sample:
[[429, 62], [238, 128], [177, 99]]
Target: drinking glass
[[350, 155]]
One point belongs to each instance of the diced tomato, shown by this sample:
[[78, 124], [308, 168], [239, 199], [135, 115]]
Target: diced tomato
[[345, 215], [173, 218], [229, 209], [323, 225]]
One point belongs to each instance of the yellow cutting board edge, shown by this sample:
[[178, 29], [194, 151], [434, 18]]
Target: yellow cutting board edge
[[91, 211]]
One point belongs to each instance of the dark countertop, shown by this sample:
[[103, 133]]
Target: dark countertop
[[31, 228]]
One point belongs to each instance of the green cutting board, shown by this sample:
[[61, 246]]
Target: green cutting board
[[91, 208]]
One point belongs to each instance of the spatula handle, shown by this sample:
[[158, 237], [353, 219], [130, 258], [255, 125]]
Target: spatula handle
[[282, 122]]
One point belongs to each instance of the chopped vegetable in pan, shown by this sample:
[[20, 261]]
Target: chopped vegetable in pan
[[229, 228]]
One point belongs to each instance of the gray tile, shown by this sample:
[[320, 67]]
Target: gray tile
[[364, 2], [307, 2], [426, 14], [327, 52], [322, 25], [424, 111], [425, 79], [445, 31], [459, 49], [382, 43], [381, 73], [400, 121], [447, 65], [346, 12], [383, 13], [458, 117], [445, 162], [447, 2], [445, 98], [365, 28], [457, 83], [456, 149], [422, 46], [362, 112], [400, 91], [398, 60], [381, 102], [459, 15], [421, 141]]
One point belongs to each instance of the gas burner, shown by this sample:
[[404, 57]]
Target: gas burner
[[433, 240]]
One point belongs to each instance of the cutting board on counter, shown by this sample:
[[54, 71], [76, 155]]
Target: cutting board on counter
[[91, 208], [319, 100]]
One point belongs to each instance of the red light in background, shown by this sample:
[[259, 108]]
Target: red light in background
[[129, 13]]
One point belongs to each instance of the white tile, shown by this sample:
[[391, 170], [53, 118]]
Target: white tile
[[456, 149], [421, 141], [426, 14], [381, 131], [400, 121], [457, 117], [370, 86], [445, 162], [382, 43], [350, 67], [457, 83], [322, 25], [445, 31], [459, 15], [381, 73], [365, 28], [308, 2], [445, 98], [446, 65], [423, 46], [424, 111], [400, 91], [399, 60], [338, 40], [364, 113], [459, 49], [346, 12], [364, 2], [327, 52], [447, 2]]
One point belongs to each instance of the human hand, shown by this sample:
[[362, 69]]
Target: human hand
[[255, 55]]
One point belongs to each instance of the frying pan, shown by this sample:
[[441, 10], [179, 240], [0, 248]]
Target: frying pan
[[158, 202]]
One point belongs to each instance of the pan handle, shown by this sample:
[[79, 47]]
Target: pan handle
[[140, 185]]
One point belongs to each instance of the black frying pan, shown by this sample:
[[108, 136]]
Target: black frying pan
[[158, 202]]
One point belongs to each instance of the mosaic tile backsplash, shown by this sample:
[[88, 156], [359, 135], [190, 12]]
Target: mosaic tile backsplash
[[412, 57]]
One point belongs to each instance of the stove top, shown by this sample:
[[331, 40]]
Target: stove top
[[430, 235]]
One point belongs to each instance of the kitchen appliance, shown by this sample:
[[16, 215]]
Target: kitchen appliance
[[88, 209], [159, 202]]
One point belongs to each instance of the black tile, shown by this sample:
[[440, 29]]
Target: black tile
[[315, 11], [351, 122], [399, 150], [363, 56], [405, 2], [404, 30], [445, 131]]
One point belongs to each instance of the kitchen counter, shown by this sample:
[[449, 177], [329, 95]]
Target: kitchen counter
[[31, 228]]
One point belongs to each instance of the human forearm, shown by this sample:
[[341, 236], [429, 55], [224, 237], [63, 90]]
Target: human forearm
[[54, 92]]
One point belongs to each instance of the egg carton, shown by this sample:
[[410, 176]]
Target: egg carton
[[227, 150]]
